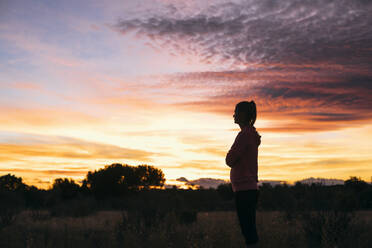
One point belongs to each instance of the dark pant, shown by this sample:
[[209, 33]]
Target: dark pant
[[246, 202]]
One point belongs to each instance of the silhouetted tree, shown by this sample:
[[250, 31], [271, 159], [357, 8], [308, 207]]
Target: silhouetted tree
[[117, 179], [149, 176], [366, 198], [225, 191], [11, 183], [34, 197], [356, 184], [65, 188], [360, 193], [11, 198]]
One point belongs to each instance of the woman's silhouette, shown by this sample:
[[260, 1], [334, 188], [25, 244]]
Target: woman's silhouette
[[242, 158]]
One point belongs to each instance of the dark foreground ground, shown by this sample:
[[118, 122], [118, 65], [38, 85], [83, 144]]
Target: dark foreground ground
[[209, 229]]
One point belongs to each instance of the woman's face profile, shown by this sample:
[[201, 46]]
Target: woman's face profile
[[239, 117]]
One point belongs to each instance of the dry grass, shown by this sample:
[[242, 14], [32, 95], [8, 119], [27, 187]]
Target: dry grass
[[113, 229]]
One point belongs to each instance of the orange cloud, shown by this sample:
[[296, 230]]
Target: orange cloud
[[76, 149], [317, 106], [334, 167], [202, 165], [57, 173], [42, 116], [27, 86], [47, 157], [220, 152]]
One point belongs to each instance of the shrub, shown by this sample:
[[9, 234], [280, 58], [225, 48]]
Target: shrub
[[326, 228], [7, 216]]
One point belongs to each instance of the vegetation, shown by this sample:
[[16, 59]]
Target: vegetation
[[117, 179], [127, 206]]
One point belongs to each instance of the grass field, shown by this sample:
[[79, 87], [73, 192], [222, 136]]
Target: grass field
[[211, 229]]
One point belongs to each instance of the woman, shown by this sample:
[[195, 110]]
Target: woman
[[242, 158]]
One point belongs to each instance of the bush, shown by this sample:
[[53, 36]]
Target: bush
[[7, 216], [326, 228]]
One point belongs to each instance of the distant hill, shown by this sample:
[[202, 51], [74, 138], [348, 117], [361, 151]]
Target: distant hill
[[323, 181], [203, 182], [213, 182]]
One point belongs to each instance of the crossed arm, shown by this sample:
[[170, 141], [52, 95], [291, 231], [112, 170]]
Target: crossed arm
[[237, 150]]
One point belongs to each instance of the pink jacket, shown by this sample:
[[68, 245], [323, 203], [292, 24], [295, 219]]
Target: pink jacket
[[242, 158]]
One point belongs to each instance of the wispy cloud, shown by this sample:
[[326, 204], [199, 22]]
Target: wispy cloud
[[319, 106], [319, 168], [220, 152], [58, 173], [46, 157], [265, 31], [202, 165], [300, 60], [35, 146], [160, 83], [44, 116]]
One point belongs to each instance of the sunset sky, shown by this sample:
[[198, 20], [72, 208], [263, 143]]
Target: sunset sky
[[84, 84]]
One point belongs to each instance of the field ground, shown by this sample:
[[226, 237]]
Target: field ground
[[212, 229]]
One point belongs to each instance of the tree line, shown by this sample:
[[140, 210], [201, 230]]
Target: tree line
[[122, 186], [324, 213]]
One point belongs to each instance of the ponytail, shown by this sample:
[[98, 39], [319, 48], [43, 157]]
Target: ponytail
[[253, 113]]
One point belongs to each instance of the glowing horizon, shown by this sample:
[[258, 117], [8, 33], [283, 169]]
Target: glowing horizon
[[156, 82]]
